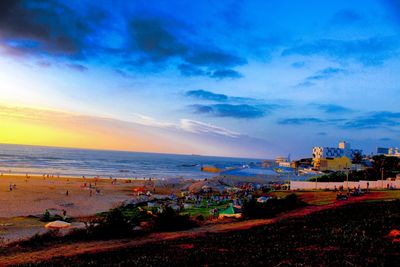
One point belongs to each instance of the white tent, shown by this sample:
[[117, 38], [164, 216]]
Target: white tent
[[57, 225]]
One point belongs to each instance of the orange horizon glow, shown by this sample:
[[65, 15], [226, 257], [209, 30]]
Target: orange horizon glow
[[44, 127]]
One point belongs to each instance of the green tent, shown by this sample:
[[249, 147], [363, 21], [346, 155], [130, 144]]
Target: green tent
[[229, 210]]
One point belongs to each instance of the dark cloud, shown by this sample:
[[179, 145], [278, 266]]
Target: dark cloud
[[305, 84], [226, 73], [393, 7], [241, 111], [155, 42], [45, 27], [207, 95], [321, 75], [213, 58], [332, 108], [372, 51], [161, 40], [77, 67], [137, 41], [325, 74], [346, 16], [211, 96], [382, 119], [300, 121], [190, 70], [385, 139], [298, 64]]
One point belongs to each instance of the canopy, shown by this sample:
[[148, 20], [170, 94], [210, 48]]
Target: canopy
[[262, 199], [57, 225]]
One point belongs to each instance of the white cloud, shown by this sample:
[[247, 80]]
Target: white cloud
[[201, 127], [149, 121], [186, 125]]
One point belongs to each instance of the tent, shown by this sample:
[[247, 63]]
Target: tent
[[57, 225], [230, 212], [262, 199]]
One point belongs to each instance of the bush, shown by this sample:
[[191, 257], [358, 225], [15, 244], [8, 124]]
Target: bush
[[170, 220], [40, 239], [113, 224], [253, 209]]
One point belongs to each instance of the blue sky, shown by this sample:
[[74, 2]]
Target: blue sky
[[251, 78]]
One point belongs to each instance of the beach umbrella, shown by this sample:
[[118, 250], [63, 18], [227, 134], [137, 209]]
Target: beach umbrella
[[262, 199], [57, 225]]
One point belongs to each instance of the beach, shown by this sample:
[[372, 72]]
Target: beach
[[31, 196]]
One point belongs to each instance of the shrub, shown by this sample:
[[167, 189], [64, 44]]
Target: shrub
[[113, 224], [170, 220], [254, 209]]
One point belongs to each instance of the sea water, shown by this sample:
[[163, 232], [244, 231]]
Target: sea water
[[104, 163]]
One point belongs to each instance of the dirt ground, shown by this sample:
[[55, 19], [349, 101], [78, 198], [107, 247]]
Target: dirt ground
[[99, 246]]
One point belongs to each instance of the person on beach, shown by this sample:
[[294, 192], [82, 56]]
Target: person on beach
[[10, 187], [67, 193]]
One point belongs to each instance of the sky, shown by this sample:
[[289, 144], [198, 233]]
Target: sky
[[228, 78]]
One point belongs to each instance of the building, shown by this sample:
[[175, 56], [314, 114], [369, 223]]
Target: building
[[382, 150], [344, 149], [334, 164], [324, 157], [389, 152]]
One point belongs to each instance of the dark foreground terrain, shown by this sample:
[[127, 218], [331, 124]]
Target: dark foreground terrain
[[353, 235]]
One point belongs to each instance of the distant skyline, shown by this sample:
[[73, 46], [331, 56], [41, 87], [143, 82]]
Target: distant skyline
[[229, 78]]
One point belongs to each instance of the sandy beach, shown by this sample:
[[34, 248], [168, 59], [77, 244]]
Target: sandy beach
[[35, 194], [30, 197]]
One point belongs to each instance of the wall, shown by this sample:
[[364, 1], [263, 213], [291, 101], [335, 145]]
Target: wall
[[300, 185]]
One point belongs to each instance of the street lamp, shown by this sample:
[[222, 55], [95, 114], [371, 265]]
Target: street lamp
[[347, 177], [382, 174]]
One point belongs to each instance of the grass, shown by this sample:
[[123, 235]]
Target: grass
[[203, 210], [354, 235]]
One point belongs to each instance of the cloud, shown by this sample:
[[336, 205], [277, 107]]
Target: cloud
[[131, 41], [322, 134], [371, 51], [207, 95], [211, 96], [346, 16], [226, 73], [385, 139], [186, 125], [213, 57], [241, 111], [149, 121], [164, 40], [153, 40], [393, 7], [374, 120], [321, 75], [305, 84], [332, 108], [298, 64], [201, 127], [44, 27], [300, 121], [325, 74], [190, 70], [77, 67]]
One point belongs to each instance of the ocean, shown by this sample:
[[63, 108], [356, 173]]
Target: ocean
[[104, 163]]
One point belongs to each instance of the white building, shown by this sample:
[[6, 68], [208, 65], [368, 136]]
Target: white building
[[344, 149], [389, 152]]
